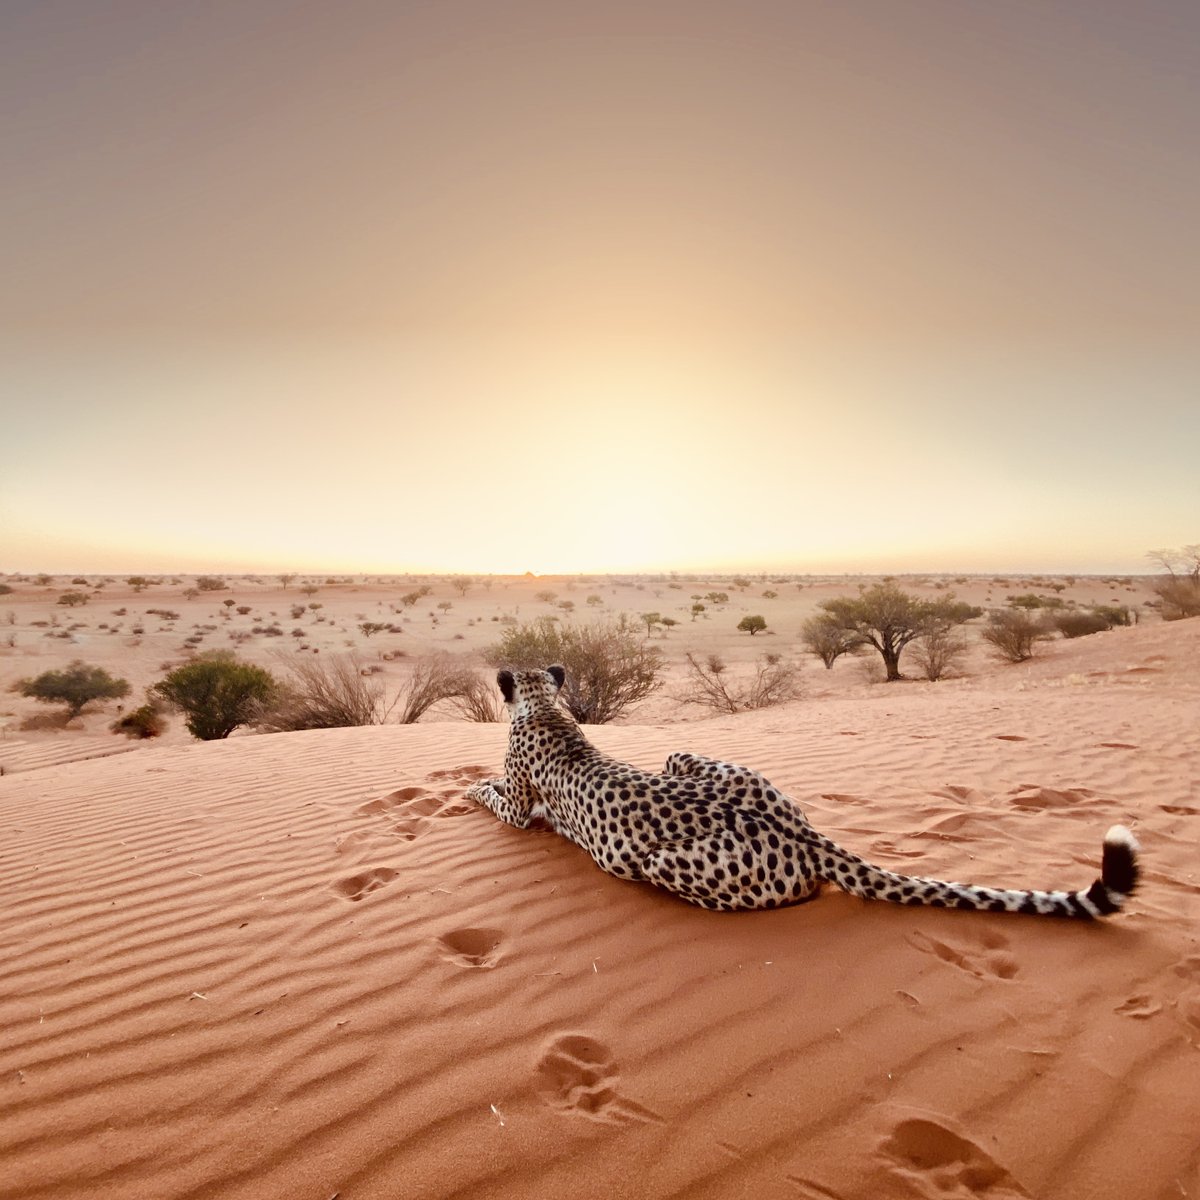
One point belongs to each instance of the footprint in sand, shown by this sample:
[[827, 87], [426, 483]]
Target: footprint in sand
[[1180, 810], [938, 1163], [576, 1075], [472, 947], [1138, 1007], [415, 809], [1029, 798], [464, 775], [1187, 1005], [983, 954], [355, 887]]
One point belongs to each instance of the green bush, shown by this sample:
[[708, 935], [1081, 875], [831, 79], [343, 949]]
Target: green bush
[[76, 686], [1080, 624], [752, 625], [217, 694]]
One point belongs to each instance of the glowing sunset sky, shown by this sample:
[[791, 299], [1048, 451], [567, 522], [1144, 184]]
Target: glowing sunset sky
[[556, 286]]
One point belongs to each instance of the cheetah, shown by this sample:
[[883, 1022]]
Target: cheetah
[[717, 834]]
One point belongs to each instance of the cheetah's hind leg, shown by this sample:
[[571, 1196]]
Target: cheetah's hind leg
[[701, 871], [699, 767]]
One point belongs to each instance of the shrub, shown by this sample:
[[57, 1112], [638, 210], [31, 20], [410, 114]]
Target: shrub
[[478, 701], [1080, 624], [1115, 614], [709, 685], [1031, 601], [438, 677], [828, 640], [1014, 634], [752, 625], [76, 686], [1179, 592], [73, 599], [217, 694], [326, 693], [939, 652], [5, 589], [143, 722], [609, 665], [211, 583]]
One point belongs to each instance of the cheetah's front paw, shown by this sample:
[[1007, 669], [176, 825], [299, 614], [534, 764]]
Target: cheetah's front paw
[[479, 791]]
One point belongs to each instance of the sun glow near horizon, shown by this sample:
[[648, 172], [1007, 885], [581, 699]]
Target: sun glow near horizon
[[639, 287]]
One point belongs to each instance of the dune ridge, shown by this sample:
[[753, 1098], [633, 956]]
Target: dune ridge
[[301, 965]]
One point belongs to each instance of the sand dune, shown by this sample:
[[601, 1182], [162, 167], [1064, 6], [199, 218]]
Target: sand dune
[[300, 965]]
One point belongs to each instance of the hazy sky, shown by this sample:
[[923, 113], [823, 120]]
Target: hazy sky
[[562, 286]]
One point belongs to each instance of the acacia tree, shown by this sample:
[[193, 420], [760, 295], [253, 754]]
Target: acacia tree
[[752, 625], [76, 686], [888, 618]]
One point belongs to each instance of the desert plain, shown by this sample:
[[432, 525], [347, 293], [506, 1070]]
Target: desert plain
[[301, 965]]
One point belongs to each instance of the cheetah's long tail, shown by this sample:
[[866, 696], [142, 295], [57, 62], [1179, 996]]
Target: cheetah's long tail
[[1118, 878]]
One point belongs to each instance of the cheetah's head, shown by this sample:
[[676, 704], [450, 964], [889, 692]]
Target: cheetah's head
[[526, 692]]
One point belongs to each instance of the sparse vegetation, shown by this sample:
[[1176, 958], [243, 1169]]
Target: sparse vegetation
[[143, 722], [334, 692], [73, 599], [1179, 592], [825, 637], [710, 685], [77, 685], [1014, 634], [1080, 624], [752, 625], [940, 651], [609, 665]]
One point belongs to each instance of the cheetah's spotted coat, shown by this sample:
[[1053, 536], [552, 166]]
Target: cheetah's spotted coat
[[717, 834]]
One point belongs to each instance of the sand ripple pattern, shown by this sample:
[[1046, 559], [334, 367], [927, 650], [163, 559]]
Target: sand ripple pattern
[[299, 965]]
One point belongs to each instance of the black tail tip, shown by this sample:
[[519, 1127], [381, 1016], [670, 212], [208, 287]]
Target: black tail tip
[[1119, 865]]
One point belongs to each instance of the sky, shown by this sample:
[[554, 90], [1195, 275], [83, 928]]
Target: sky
[[560, 287]]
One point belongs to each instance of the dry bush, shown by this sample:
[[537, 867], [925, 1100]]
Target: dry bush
[[478, 701], [1013, 634], [438, 677], [828, 640], [709, 684], [1179, 592], [940, 652], [325, 693], [143, 722], [609, 665]]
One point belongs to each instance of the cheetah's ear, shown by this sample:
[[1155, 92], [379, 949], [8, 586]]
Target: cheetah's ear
[[507, 685], [557, 674]]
